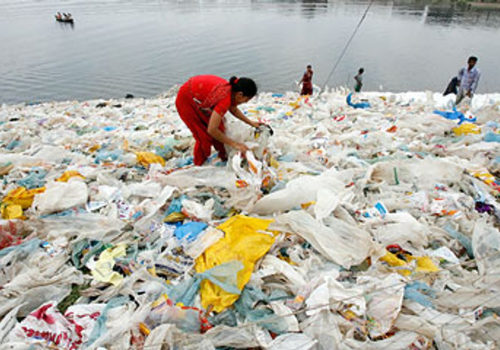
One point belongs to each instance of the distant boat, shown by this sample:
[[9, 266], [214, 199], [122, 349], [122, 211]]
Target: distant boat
[[64, 20]]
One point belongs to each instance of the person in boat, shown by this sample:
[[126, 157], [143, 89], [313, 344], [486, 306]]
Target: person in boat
[[67, 16], [306, 81], [202, 103], [58, 15]]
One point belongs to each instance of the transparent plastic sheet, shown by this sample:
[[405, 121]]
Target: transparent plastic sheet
[[160, 336], [144, 189], [59, 196], [242, 337], [223, 276], [385, 304], [220, 336], [151, 208], [8, 322], [331, 294], [401, 340], [187, 320], [352, 245], [33, 278], [298, 191], [486, 246], [195, 210], [85, 225], [401, 228], [292, 341], [265, 317], [272, 265], [199, 176], [423, 173], [286, 316], [323, 328], [115, 333], [33, 298]]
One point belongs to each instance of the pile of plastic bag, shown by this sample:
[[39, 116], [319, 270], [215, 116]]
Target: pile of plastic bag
[[343, 228]]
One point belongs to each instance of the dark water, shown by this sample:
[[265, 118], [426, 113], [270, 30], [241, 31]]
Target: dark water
[[144, 47]]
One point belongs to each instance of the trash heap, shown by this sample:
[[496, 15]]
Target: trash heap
[[367, 221]]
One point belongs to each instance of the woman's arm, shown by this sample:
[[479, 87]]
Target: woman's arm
[[214, 131], [239, 114]]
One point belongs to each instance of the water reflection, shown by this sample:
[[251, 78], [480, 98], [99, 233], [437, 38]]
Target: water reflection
[[151, 45], [447, 14], [311, 8], [66, 25]]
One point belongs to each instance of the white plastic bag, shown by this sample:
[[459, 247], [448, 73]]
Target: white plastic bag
[[298, 191], [323, 328], [60, 196], [486, 246], [340, 242], [68, 331], [198, 211], [292, 341], [384, 305]]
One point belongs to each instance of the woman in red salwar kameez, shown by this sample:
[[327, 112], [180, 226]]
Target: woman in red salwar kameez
[[202, 103]]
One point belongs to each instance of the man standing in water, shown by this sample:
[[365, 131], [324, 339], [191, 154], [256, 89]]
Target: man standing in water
[[359, 80], [468, 78], [307, 86]]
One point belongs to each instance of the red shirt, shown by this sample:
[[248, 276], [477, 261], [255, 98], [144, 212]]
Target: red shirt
[[203, 85], [307, 78]]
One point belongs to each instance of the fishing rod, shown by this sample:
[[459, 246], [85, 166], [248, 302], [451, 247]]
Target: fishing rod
[[347, 45]]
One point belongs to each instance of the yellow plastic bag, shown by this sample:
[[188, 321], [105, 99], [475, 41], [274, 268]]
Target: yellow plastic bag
[[68, 175], [244, 241], [466, 129], [394, 261], [147, 158], [424, 263], [174, 217], [17, 200], [22, 196], [103, 270], [12, 211]]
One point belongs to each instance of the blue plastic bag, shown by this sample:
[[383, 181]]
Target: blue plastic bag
[[175, 206], [455, 115], [35, 179], [491, 137], [189, 230], [421, 293], [356, 105]]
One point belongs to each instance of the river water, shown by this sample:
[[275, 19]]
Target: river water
[[144, 47]]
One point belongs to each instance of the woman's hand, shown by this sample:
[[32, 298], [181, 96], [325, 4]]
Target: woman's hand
[[257, 124], [241, 147]]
